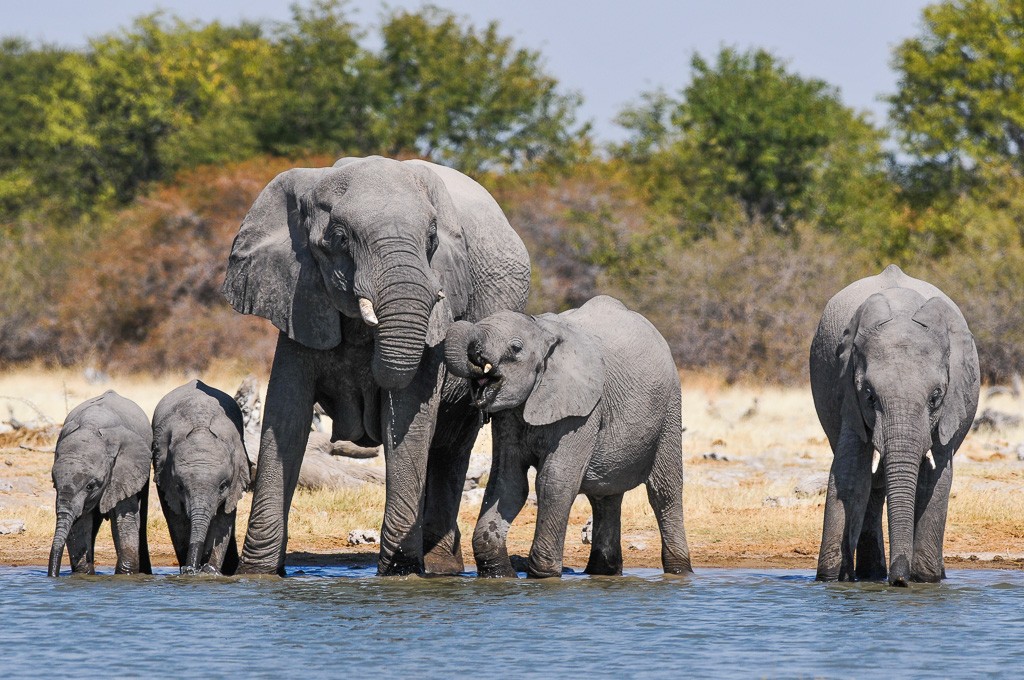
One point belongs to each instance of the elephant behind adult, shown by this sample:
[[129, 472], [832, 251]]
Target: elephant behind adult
[[362, 267], [895, 379]]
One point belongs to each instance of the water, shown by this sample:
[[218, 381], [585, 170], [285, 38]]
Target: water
[[335, 621]]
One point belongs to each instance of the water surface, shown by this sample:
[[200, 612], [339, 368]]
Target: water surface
[[332, 621]]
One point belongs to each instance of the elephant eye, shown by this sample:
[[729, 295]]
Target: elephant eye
[[90, 486], [432, 237], [869, 395], [516, 345], [224, 485], [935, 399]]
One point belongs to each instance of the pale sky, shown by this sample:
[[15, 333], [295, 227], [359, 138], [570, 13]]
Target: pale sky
[[608, 51]]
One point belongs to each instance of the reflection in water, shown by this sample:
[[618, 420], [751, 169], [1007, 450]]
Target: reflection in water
[[329, 620]]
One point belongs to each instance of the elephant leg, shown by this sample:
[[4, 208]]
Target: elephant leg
[[446, 478], [80, 543], [558, 483], [665, 494], [218, 540], [504, 497], [932, 502], [124, 526], [606, 547], [288, 414], [870, 557], [145, 566], [408, 418], [849, 487], [178, 527]]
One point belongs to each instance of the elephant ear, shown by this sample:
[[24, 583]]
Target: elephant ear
[[450, 261], [271, 270], [130, 473], [960, 402], [230, 434], [872, 313], [571, 380]]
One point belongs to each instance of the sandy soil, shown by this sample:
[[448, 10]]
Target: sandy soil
[[755, 460]]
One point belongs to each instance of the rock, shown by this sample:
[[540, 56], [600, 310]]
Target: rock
[[1020, 451], [587, 533], [532, 498], [364, 537], [6, 485], [473, 496], [778, 502], [350, 450], [321, 469], [812, 485], [11, 526], [992, 419], [248, 399], [713, 455], [478, 469], [637, 545], [94, 376]]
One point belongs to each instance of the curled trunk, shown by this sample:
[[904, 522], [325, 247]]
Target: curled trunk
[[456, 347], [405, 299]]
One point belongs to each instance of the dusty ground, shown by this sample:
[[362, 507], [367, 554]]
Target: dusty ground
[[746, 450]]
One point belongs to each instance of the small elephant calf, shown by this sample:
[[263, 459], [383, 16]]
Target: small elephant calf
[[201, 472], [589, 397], [101, 471]]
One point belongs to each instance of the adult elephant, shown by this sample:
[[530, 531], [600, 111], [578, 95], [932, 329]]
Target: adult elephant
[[362, 267], [894, 374]]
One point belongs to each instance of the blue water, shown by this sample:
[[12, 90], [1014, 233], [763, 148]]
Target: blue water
[[338, 621]]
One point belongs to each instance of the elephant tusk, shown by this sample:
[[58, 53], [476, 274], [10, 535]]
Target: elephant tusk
[[440, 295], [931, 460], [366, 311], [487, 369], [875, 457]]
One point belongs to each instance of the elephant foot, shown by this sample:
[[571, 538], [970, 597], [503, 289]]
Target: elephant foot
[[538, 568], [210, 569], [603, 564], [496, 567], [188, 571], [398, 564], [440, 561], [255, 568], [679, 566]]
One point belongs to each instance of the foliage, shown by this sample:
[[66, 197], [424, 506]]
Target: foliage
[[749, 139], [959, 105]]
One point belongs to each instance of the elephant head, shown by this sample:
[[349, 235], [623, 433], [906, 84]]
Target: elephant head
[[94, 467], [541, 363], [371, 238], [906, 375], [201, 470]]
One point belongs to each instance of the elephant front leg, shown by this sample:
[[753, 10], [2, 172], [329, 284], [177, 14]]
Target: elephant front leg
[[408, 418], [932, 503], [81, 540], [125, 528], [288, 416], [446, 478], [871, 564], [606, 546], [849, 487], [219, 540], [504, 497]]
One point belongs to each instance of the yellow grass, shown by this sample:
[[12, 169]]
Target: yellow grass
[[769, 435]]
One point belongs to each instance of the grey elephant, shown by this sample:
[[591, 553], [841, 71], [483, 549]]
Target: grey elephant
[[201, 472], [591, 399], [362, 267], [895, 380], [101, 471]]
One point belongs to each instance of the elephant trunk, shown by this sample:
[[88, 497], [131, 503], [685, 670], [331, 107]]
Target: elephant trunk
[[65, 518], [199, 528], [405, 299], [901, 459], [462, 335]]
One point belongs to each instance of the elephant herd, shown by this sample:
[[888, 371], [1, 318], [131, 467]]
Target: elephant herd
[[398, 289]]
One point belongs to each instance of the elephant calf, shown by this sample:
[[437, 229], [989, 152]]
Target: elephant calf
[[201, 472], [101, 471], [589, 397], [894, 373]]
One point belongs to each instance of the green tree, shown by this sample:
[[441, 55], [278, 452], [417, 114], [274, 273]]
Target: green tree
[[959, 102], [469, 97], [749, 136]]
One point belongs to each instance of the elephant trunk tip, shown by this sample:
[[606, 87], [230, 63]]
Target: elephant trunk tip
[[899, 572]]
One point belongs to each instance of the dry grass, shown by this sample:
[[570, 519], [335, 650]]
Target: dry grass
[[768, 437]]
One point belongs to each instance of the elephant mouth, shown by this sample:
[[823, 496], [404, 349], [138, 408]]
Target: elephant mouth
[[483, 390]]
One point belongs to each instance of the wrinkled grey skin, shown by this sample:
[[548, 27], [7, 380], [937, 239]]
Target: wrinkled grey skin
[[201, 472], [894, 369], [101, 471], [424, 245], [591, 399]]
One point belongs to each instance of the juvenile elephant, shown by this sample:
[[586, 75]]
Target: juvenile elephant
[[362, 267], [589, 397], [101, 471], [201, 472], [894, 374]]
